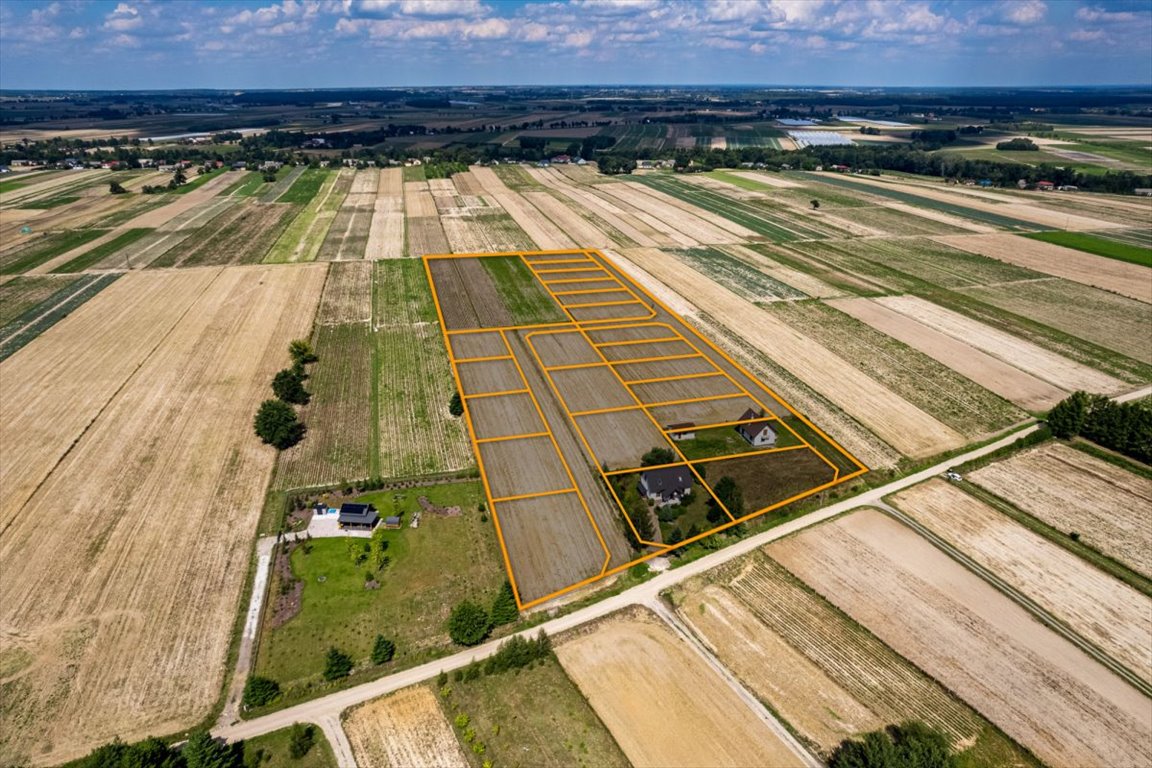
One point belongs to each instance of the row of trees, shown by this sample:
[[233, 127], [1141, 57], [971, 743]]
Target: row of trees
[[909, 745], [470, 624], [276, 421], [1122, 427], [199, 751]]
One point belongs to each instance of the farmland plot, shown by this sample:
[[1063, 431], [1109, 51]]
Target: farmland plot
[[1114, 322], [302, 238], [1130, 280], [484, 233], [115, 655], [792, 279], [1110, 614], [240, 236], [534, 223], [1072, 491], [347, 236], [661, 701], [40, 317], [1037, 687], [21, 294], [741, 278], [657, 207], [405, 729], [386, 234]]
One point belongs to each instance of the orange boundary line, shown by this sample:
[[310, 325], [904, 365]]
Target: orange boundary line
[[600, 304], [480, 359], [540, 495], [586, 290], [571, 366], [495, 394], [597, 268], [629, 361], [633, 342], [681, 377], [604, 410], [506, 438]]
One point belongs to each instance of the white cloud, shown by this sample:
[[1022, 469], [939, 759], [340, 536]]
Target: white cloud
[[1025, 11], [1099, 14], [580, 39]]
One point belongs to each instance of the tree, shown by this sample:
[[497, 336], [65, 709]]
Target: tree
[[301, 737], [729, 494], [815, 204], [383, 650], [909, 745], [203, 751], [456, 405], [656, 457], [276, 424], [337, 664], [178, 179], [258, 691], [469, 624], [302, 352], [117, 188], [1066, 419], [288, 385], [504, 610]]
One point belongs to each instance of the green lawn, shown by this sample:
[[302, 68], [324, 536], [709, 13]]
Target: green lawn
[[101, 252], [726, 441], [273, 747], [194, 182], [431, 569], [521, 292], [1099, 246], [530, 718], [414, 173]]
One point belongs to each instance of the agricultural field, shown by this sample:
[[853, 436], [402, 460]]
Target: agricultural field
[[405, 729], [34, 315], [302, 238], [827, 676], [347, 235], [386, 238], [1108, 613], [125, 660], [661, 701], [240, 235], [1072, 491], [1042, 691], [21, 294]]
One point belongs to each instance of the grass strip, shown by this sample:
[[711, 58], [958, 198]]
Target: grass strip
[[247, 185], [10, 184], [198, 181], [11, 344], [48, 248], [49, 202], [1110, 249], [101, 252], [521, 292]]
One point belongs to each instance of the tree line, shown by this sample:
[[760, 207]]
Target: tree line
[[276, 422], [1122, 427]]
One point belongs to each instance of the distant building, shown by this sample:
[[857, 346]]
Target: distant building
[[685, 430], [358, 516], [561, 159], [667, 485], [1045, 186], [759, 433], [1144, 192]]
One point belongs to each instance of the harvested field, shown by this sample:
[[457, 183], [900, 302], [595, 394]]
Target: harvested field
[[418, 201], [240, 236], [564, 273], [386, 233], [644, 351], [131, 317], [1108, 613], [504, 416], [1038, 688], [34, 321], [426, 236], [706, 411], [655, 369], [697, 224], [347, 236], [534, 223], [633, 310], [769, 479], [489, 376], [477, 345], [551, 543], [487, 233], [741, 278], [619, 440], [125, 659], [581, 299], [578, 229], [405, 729], [1072, 491], [1011, 383], [597, 284], [662, 702], [651, 331], [468, 295], [23, 293], [685, 389], [587, 389], [892, 418], [1028, 357], [347, 294], [1130, 280], [529, 465], [801, 282], [1114, 322], [564, 348]]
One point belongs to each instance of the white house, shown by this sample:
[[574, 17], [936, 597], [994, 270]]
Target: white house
[[759, 433]]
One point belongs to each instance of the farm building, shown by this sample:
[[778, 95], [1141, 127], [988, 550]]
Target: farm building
[[685, 430], [666, 485], [358, 516], [758, 433], [392, 522]]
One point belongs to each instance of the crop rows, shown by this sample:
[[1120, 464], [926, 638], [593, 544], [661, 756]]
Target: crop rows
[[99, 253], [39, 318], [20, 294], [302, 238], [33, 253], [741, 278], [240, 237]]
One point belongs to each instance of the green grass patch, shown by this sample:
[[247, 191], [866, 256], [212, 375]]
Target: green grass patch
[[431, 569], [1099, 246], [305, 187], [272, 748], [10, 184], [529, 718], [302, 239], [247, 185], [194, 182], [521, 292], [414, 173], [49, 202], [726, 441], [46, 248], [101, 252]]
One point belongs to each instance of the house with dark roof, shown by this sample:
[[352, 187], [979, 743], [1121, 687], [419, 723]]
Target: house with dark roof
[[358, 516], [667, 485], [757, 430]]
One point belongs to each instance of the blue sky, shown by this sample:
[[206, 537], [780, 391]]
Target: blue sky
[[90, 44]]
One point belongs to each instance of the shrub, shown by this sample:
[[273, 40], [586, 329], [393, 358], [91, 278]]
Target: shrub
[[504, 610], [469, 624], [657, 456], [300, 740], [383, 650], [910, 745], [259, 691], [302, 352], [337, 664], [456, 405]]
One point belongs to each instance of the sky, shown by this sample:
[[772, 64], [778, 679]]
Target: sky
[[247, 44]]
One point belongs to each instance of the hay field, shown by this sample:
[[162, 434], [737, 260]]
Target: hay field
[[1072, 491], [405, 729], [1130, 280], [1101, 609], [902, 425], [386, 234], [661, 701], [164, 488], [1038, 688]]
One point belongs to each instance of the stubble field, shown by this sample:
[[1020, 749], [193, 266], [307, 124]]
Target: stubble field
[[403, 730]]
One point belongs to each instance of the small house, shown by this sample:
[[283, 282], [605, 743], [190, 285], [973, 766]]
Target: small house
[[361, 517], [685, 430], [392, 522], [667, 485], [756, 430]]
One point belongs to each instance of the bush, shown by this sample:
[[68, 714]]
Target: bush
[[259, 691], [1018, 145], [456, 405], [337, 664], [504, 610], [910, 745], [383, 650], [302, 352], [288, 385], [469, 624], [276, 424], [116, 188], [657, 456], [300, 740]]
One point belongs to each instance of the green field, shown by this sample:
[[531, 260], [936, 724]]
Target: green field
[[250, 183], [305, 187], [195, 181], [738, 276], [431, 569], [36, 319], [44, 249], [534, 717], [103, 251], [632, 137], [726, 441], [302, 239], [1100, 246], [273, 748], [10, 184], [521, 292]]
